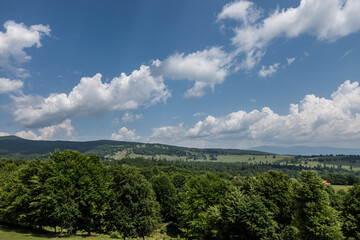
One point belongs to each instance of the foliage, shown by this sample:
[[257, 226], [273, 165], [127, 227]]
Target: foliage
[[205, 199], [351, 213], [234, 169], [202, 192], [78, 189], [244, 216], [274, 189], [341, 179], [72, 190], [314, 217], [132, 209], [166, 195]]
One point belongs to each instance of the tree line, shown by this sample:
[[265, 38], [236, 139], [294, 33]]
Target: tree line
[[77, 192]]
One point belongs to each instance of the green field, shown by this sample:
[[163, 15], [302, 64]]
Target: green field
[[19, 233], [251, 158], [255, 159], [341, 187]]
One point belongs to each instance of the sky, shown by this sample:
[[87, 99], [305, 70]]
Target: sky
[[205, 73]]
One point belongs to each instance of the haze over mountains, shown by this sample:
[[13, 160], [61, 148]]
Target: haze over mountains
[[13, 144], [306, 150]]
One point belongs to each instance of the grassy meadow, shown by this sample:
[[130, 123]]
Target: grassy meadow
[[18, 233], [341, 187]]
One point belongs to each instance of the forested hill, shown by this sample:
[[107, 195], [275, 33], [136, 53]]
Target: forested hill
[[12, 146]]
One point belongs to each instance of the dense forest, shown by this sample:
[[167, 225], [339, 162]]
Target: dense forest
[[73, 192]]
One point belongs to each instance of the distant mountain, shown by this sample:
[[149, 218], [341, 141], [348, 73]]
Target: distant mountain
[[13, 144], [15, 147], [305, 150]]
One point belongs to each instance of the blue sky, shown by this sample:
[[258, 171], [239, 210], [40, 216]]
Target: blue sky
[[231, 74]]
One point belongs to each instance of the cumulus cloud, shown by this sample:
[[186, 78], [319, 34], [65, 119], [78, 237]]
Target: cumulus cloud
[[129, 117], [339, 18], [268, 71], [168, 133], [125, 134], [205, 68], [3, 134], [63, 130], [14, 40], [7, 85], [177, 135], [91, 97], [314, 120]]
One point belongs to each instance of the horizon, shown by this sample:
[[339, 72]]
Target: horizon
[[256, 148], [204, 74]]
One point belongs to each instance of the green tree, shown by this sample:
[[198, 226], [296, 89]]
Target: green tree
[[23, 197], [166, 195], [133, 209], [351, 213], [7, 167], [78, 190], [314, 217], [274, 187], [201, 193], [14, 195], [68, 190], [244, 216], [179, 180]]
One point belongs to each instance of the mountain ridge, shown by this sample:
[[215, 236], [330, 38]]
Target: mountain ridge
[[14, 144], [17, 145]]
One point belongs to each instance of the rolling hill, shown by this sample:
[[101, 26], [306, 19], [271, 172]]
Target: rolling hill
[[15, 147]]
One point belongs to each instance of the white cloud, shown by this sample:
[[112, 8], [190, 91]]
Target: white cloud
[[243, 11], [339, 18], [63, 130], [125, 134], [7, 85], [268, 71], [14, 40], [314, 120], [129, 117], [199, 114], [169, 134], [176, 135], [28, 135], [91, 97], [206, 68], [290, 61]]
